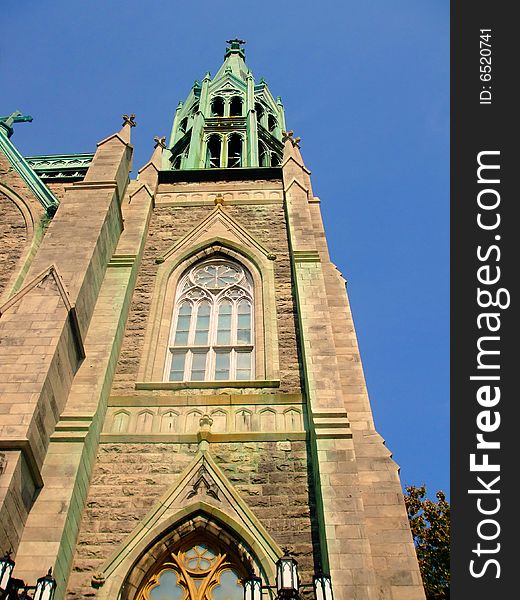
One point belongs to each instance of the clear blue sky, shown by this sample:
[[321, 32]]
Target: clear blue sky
[[366, 86]]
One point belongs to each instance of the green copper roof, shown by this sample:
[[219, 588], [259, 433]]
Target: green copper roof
[[60, 167], [227, 121]]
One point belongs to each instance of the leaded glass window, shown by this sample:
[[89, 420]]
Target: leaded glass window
[[196, 572], [213, 324]]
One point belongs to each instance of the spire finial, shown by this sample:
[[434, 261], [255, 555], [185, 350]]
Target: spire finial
[[288, 135], [235, 42], [160, 141], [235, 47], [129, 120]]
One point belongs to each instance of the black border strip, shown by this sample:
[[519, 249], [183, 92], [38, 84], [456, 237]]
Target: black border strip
[[240, 174], [485, 130]]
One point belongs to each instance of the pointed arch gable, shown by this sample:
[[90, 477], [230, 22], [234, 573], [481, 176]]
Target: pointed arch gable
[[176, 515], [209, 241], [211, 229]]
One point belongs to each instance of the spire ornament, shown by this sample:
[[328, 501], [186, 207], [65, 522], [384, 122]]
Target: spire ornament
[[235, 41], [288, 135], [8, 121], [159, 141], [235, 47], [129, 120]]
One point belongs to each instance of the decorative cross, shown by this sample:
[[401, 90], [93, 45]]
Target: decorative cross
[[130, 120], [236, 41], [159, 141], [15, 117], [288, 135]]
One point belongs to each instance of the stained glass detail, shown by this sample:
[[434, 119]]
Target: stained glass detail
[[167, 588], [229, 587], [199, 558], [215, 276], [199, 573]]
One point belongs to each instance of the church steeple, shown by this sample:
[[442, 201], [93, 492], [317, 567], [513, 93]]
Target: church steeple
[[227, 121]]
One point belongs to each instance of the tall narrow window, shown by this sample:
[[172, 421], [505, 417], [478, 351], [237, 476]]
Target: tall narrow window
[[265, 157], [183, 125], [202, 329], [213, 322], [177, 162], [217, 107], [275, 160], [235, 107], [213, 152], [259, 113], [271, 123], [244, 322], [225, 313], [234, 150], [183, 324]]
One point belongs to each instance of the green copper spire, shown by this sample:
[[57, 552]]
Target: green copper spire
[[227, 121]]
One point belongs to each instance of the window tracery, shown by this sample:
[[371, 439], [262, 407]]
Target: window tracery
[[212, 334], [197, 571]]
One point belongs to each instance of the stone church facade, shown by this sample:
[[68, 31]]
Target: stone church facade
[[181, 393]]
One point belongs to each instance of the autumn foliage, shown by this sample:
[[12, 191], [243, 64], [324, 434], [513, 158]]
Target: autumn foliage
[[430, 525]]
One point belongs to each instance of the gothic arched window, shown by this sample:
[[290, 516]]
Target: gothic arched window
[[259, 112], [183, 125], [212, 329], [235, 107], [265, 155], [217, 107], [196, 571], [234, 150], [271, 123], [213, 152]]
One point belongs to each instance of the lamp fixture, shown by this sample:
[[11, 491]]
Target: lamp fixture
[[288, 582], [12, 588]]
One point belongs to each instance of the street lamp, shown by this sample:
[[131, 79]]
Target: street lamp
[[45, 587], [323, 587], [16, 589], [253, 588], [287, 580], [6, 569], [288, 583]]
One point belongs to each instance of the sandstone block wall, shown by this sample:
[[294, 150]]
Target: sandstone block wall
[[129, 479], [13, 233], [21, 227]]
